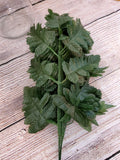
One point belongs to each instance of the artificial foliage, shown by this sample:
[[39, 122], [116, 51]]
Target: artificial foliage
[[61, 68]]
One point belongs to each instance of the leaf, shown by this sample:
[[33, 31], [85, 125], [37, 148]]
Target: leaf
[[40, 40], [43, 71], [55, 20], [60, 102], [85, 97], [78, 40], [103, 108], [38, 109], [78, 68], [49, 86], [87, 100]]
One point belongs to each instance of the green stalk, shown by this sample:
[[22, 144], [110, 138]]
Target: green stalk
[[61, 125], [59, 112]]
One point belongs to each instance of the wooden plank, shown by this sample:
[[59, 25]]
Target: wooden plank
[[13, 80], [78, 8], [86, 10], [11, 86], [13, 4], [99, 144], [116, 157], [11, 48]]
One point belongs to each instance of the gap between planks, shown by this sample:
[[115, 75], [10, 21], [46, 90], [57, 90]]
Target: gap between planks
[[115, 156], [36, 2], [102, 17]]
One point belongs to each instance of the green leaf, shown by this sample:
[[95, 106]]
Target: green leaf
[[42, 72], [38, 109], [87, 101], [78, 40], [103, 108], [55, 20], [49, 86], [78, 68], [40, 40], [60, 102]]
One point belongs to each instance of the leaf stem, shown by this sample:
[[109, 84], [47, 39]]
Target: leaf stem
[[53, 51], [57, 82], [51, 78], [64, 80]]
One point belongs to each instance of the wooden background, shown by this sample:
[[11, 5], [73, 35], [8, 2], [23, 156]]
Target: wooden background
[[102, 19]]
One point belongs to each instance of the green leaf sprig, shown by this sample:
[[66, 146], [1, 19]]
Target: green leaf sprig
[[61, 68]]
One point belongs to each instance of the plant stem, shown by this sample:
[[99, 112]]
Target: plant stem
[[61, 127], [59, 111]]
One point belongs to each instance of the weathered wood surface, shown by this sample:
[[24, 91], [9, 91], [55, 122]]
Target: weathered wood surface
[[99, 144], [103, 141], [12, 81], [86, 10], [13, 5], [10, 49]]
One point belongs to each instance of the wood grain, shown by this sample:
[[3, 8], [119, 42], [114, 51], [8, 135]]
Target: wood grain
[[99, 144], [10, 49], [13, 4], [13, 80], [79, 8]]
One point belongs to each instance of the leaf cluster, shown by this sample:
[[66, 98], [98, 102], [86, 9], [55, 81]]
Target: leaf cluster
[[82, 104], [61, 68], [62, 37]]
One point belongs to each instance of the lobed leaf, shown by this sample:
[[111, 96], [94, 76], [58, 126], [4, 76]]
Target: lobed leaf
[[60, 102], [43, 71], [38, 109], [55, 20], [80, 67], [77, 39], [40, 39]]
